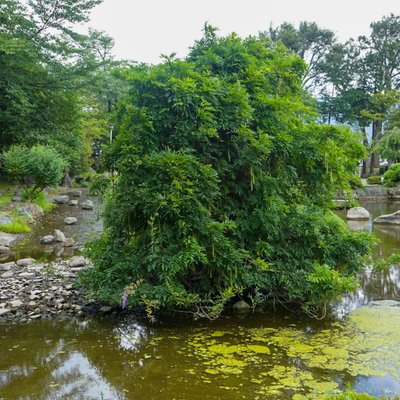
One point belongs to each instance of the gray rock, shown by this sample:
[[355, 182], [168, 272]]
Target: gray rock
[[4, 250], [394, 193], [241, 306], [4, 311], [59, 236], [27, 275], [106, 309], [87, 205], [77, 261], [16, 199], [15, 303], [358, 213], [73, 202], [31, 211], [48, 239], [4, 243], [62, 199], [6, 239], [77, 193], [7, 274], [393, 219], [5, 220], [69, 242], [25, 262], [7, 266], [70, 220]]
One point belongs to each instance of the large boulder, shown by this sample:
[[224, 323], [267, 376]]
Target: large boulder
[[357, 213], [393, 219], [62, 199]]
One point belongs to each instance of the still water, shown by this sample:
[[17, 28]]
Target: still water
[[258, 356]]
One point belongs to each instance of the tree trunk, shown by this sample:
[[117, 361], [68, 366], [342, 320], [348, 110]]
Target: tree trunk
[[67, 182], [376, 133], [364, 172]]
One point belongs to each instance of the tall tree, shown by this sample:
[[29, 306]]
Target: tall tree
[[310, 42]]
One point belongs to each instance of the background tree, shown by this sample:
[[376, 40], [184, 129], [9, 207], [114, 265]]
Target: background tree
[[55, 84], [310, 42]]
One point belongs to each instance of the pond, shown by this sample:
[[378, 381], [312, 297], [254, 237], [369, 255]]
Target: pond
[[256, 356]]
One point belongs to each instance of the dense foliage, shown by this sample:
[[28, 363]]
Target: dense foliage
[[222, 187], [57, 86], [392, 176], [34, 168]]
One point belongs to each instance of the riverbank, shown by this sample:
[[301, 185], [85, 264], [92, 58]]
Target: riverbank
[[31, 291]]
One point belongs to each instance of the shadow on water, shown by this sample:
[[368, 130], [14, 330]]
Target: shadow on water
[[256, 356]]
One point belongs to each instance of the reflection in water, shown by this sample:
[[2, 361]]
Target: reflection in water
[[76, 376]]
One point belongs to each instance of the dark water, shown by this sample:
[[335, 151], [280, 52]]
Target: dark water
[[258, 356]]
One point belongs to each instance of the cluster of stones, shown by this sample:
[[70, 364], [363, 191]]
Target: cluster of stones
[[58, 236], [31, 291]]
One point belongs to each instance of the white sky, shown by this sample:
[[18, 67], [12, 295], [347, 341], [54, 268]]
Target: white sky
[[143, 29]]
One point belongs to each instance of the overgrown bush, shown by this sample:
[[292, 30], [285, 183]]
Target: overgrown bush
[[374, 180], [34, 168], [392, 176], [223, 183]]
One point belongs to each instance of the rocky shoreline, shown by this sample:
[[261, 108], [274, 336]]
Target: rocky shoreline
[[31, 291]]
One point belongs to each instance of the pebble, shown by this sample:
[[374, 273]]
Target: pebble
[[29, 293]]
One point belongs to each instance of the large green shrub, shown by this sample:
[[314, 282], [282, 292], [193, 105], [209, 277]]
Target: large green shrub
[[222, 186], [392, 176], [35, 168]]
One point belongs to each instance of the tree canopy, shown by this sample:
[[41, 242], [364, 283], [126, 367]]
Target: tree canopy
[[222, 185]]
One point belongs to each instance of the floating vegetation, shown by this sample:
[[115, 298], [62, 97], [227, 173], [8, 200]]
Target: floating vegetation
[[282, 362]]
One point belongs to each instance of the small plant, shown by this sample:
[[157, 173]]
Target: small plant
[[374, 180], [392, 176]]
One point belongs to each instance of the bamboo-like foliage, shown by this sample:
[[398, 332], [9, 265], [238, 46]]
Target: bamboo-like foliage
[[223, 183]]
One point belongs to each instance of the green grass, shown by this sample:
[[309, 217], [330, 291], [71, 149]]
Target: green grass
[[5, 198], [15, 227], [43, 203]]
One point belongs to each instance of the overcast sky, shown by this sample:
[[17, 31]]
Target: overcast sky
[[143, 29]]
